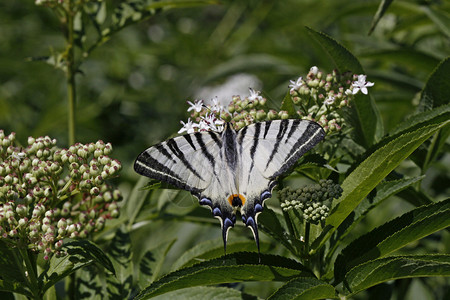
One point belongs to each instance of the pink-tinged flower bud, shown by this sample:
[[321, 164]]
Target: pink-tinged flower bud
[[22, 210], [91, 147], [62, 223], [108, 149], [9, 213], [95, 191], [98, 153], [104, 160], [13, 233], [82, 152], [100, 223], [117, 195], [23, 222], [74, 235], [283, 115], [71, 228], [262, 101], [272, 114], [59, 244], [107, 196], [73, 159], [92, 214], [6, 142], [98, 180], [100, 144], [115, 213], [86, 175]]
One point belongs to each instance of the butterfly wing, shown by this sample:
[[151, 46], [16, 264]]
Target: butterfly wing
[[268, 150], [196, 163]]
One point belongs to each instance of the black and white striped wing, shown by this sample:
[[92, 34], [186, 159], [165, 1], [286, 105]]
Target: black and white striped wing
[[268, 150], [187, 162]]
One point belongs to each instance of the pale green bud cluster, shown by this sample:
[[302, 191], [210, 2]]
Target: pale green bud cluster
[[49, 194], [312, 201]]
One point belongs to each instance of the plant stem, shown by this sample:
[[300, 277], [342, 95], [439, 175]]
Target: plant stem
[[70, 73], [31, 273], [307, 230]]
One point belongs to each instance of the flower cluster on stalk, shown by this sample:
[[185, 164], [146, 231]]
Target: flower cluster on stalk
[[318, 97], [48, 194], [313, 201]]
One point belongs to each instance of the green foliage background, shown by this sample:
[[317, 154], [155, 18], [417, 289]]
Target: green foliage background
[[132, 90]]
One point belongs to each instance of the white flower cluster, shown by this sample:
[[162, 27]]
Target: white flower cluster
[[320, 96], [211, 121]]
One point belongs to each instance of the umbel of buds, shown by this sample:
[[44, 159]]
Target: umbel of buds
[[318, 97], [49, 194], [313, 202]]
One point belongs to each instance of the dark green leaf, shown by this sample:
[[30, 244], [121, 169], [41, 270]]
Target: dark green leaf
[[384, 4], [384, 190], [343, 59], [213, 249], [437, 89], [393, 235], [206, 292], [236, 267], [120, 253], [389, 268], [79, 254], [288, 106], [304, 288], [152, 262]]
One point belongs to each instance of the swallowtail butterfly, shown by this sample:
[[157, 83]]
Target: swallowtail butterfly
[[232, 170]]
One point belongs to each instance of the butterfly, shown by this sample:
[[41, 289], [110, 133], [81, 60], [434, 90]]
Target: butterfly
[[234, 169]]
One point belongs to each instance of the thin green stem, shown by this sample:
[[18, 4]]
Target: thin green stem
[[307, 232], [30, 272], [70, 72]]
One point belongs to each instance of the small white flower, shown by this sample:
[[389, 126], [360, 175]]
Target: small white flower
[[254, 95], [197, 105], [295, 85], [314, 70], [188, 127], [211, 122], [329, 101], [361, 84], [216, 107]]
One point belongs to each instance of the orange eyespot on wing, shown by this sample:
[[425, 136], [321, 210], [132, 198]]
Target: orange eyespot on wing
[[236, 200]]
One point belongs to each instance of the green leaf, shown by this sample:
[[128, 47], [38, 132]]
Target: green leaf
[[393, 235], [152, 262], [206, 292], [369, 174], [363, 116], [437, 89], [304, 288], [343, 59], [79, 254], [382, 8], [10, 274], [213, 249], [236, 267], [269, 223], [121, 256], [288, 106], [390, 268], [383, 191]]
